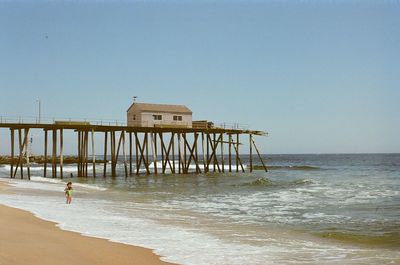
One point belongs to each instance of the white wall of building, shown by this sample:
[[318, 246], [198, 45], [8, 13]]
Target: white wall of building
[[146, 119]]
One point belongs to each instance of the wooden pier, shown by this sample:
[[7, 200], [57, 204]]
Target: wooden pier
[[180, 150]]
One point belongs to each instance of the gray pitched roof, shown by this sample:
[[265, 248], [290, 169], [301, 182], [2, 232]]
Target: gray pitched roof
[[161, 108]]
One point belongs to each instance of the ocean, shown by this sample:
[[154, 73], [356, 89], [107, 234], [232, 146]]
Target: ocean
[[308, 209]]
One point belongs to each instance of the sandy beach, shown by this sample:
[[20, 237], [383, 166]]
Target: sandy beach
[[25, 240]]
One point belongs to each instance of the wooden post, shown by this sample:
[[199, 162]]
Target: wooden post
[[162, 147], [230, 152], [179, 153], [173, 152], [124, 153], [251, 152], [86, 152], [130, 153], [93, 155], [185, 167], [237, 152], [198, 170], [81, 147], [214, 151], [147, 153], [113, 162], [137, 153], [203, 152], [61, 152], [154, 151], [54, 162], [208, 153], [105, 154], [12, 153], [79, 154], [45, 155], [82, 154], [222, 153], [28, 165], [20, 162]]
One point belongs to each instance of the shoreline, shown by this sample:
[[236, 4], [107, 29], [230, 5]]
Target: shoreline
[[26, 239]]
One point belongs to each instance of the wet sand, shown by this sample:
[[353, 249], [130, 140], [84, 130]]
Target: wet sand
[[26, 240]]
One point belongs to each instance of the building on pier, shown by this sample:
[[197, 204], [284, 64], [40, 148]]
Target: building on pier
[[159, 115]]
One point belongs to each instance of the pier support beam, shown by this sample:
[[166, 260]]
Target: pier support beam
[[45, 154], [113, 162], [213, 143], [86, 152], [230, 152], [141, 148], [105, 154], [61, 152], [130, 153], [93, 155], [124, 153], [203, 151], [137, 153], [154, 151], [19, 163], [12, 132], [28, 164], [259, 155], [173, 151], [238, 160], [251, 151], [222, 152], [54, 154], [146, 135], [192, 149], [171, 141], [237, 152], [179, 154]]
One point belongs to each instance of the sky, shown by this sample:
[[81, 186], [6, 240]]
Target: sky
[[318, 76]]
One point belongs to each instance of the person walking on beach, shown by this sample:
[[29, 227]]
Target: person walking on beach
[[68, 193]]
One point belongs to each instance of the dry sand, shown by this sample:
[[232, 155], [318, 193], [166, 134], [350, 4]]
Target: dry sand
[[27, 240]]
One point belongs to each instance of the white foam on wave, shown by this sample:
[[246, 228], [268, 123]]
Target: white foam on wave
[[39, 168], [50, 184], [122, 222], [89, 186], [75, 184], [35, 185]]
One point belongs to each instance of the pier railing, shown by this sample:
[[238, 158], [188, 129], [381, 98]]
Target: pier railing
[[52, 120], [93, 121]]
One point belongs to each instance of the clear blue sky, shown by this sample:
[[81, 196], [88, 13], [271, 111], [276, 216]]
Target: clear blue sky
[[320, 77]]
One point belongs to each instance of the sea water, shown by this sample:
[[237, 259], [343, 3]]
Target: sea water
[[308, 209]]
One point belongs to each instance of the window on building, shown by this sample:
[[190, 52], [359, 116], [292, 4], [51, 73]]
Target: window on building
[[177, 118], [134, 117], [157, 117]]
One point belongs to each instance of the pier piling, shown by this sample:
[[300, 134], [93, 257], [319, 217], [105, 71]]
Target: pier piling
[[181, 147]]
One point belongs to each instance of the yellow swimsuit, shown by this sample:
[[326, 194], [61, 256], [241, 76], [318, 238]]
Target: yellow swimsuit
[[68, 193]]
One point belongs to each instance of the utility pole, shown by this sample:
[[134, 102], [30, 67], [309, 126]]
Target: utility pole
[[39, 109]]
